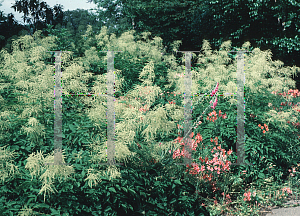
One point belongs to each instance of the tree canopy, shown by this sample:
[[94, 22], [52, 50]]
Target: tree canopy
[[266, 24]]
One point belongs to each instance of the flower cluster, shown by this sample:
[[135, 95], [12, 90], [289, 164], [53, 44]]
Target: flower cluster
[[294, 170], [197, 124], [262, 127], [218, 164], [287, 189], [180, 75], [294, 93], [193, 145], [228, 198], [215, 91], [212, 94], [214, 114], [161, 94], [247, 195]]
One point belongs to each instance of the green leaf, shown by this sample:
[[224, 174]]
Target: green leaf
[[112, 189], [183, 198], [42, 205], [30, 199], [173, 201], [131, 191], [72, 127], [261, 175], [54, 212], [177, 182], [108, 208], [118, 187], [160, 205], [124, 206], [124, 189]]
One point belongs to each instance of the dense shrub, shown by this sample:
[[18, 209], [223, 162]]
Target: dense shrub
[[149, 182]]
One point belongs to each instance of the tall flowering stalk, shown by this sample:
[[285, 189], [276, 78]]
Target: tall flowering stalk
[[213, 106], [219, 163]]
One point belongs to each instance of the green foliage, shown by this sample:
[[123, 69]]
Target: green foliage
[[75, 22], [64, 41], [11, 29], [141, 74], [38, 11], [267, 24]]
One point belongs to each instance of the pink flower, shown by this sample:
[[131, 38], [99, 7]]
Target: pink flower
[[202, 168], [215, 103], [198, 138], [176, 153], [287, 189], [247, 196], [214, 91]]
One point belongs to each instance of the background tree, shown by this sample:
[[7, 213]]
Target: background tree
[[54, 16], [42, 15], [10, 28], [112, 16], [72, 31], [75, 22], [160, 18], [268, 24], [38, 11]]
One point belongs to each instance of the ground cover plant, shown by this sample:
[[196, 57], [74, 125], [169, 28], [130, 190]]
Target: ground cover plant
[[149, 118]]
